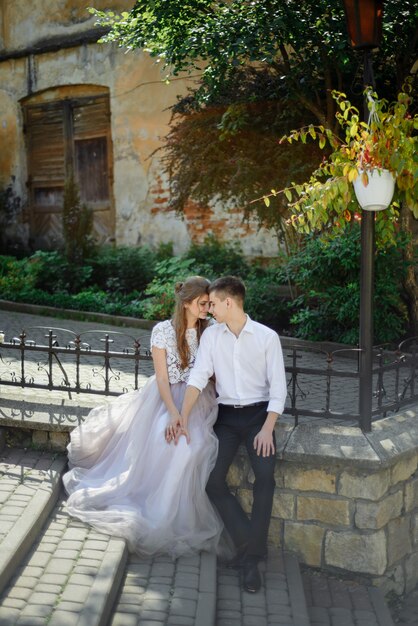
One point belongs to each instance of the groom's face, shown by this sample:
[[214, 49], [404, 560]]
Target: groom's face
[[218, 308]]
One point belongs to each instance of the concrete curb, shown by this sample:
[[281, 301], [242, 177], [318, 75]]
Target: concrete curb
[[20, 538], [105, 588], [206, 603], [296, 590], [380, 607]]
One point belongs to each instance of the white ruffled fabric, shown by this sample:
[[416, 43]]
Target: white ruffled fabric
[[126, 480]]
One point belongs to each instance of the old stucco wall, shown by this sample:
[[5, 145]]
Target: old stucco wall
[[139, 101]]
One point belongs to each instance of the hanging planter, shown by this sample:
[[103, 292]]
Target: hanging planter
[[377, 193], [380, 157]]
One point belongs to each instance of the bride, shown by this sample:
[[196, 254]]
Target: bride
[[128, 477]]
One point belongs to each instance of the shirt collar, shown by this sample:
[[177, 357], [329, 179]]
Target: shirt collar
[[248, 327]]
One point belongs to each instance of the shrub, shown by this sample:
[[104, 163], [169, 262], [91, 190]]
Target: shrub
[[122, 269], [160, 302], [52, 272], [218, 258], [265, 301], [326, 272]]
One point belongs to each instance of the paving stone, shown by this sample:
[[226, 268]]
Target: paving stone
[[63, 618], [8, 615], [179, 620], [22, 593], [153, 616], [124, 619], [130, 598], [181, 606], [30, 620], [127, 608], [66, 554], [36, 610], [56, 566]]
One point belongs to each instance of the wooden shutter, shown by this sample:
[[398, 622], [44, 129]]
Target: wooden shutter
[[63, 136]]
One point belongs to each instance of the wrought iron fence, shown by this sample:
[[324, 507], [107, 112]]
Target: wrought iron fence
[[322, 383]]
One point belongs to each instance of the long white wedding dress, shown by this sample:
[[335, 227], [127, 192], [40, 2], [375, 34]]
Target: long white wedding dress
[[126, 480]]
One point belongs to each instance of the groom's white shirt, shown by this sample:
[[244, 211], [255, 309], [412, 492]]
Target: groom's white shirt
[[248, 368]]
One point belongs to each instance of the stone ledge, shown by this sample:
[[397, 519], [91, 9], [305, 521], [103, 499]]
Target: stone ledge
[[391, 440]]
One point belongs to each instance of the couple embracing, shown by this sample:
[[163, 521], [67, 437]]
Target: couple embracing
[[152, 466]]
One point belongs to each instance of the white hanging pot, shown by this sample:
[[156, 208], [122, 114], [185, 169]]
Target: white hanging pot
[[378, 194]]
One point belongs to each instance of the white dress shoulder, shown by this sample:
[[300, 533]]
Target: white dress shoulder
[[126, 480]]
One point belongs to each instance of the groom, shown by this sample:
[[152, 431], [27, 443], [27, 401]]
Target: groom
[[246, 359]]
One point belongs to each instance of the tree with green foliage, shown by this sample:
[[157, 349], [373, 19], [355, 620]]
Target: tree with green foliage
[[261, 68]]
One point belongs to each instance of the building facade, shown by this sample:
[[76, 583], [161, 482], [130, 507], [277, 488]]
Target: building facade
[[69, 105]]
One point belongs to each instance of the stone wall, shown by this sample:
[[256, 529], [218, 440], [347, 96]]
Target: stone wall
[[346, 501]]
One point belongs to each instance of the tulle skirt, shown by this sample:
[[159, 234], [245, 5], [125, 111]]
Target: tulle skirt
[[126, 480]]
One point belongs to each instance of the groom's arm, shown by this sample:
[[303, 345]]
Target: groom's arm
[[189, 400]]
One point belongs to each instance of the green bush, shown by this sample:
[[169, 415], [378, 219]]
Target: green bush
[[265, 301], [52, 272], [160, 292], [122, 269], [218, 258], [326, 273]]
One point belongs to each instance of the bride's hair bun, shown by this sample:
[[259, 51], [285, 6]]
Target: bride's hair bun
[[178, 287]]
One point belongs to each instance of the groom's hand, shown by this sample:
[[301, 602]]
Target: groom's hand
[[264, 443], [182, 430]]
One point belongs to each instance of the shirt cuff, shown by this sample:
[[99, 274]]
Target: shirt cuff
[[276, 406], [194, 381]]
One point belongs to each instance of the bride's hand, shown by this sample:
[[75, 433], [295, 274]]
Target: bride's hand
[[172, 428]]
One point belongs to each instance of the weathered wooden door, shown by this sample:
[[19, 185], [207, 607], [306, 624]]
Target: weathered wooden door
[[70, 135]]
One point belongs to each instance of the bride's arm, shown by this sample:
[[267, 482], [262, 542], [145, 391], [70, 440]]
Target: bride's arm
[[161, 376]]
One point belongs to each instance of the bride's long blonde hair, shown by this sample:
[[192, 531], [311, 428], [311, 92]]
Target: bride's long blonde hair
[[186, 292]]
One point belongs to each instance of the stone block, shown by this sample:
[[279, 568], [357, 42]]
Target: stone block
[[309, 480], [392, 581], [238, 472], [283, 505], [327, 510], [411, 572], [40, 438], [275, 532], [356, 552], [415, 529], [378, 514], [306, 540], [369, 486], [59, 441], [411, 494], [399, 539], [245, 497], [404, 469]]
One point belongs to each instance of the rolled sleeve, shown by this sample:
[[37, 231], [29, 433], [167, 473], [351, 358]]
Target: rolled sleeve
[[276, 375], [203, 366]]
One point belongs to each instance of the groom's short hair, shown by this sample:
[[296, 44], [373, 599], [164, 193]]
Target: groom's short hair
[[231, 286]]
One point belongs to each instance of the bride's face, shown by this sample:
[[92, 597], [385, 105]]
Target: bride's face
[[198, 308]]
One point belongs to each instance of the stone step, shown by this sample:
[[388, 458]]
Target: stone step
[[70, 577], [159, 591], [30, 483]]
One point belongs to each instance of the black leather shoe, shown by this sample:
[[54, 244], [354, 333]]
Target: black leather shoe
[[251, 578]]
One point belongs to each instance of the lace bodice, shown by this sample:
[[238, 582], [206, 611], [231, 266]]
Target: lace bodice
[[164, 336]]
